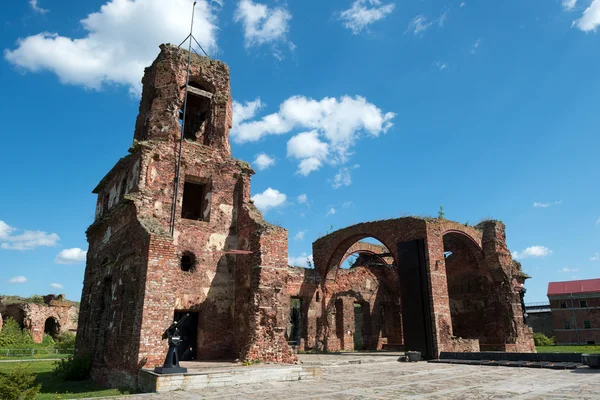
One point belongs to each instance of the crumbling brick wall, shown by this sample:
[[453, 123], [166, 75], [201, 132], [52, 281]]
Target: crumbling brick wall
[[138, 274], [55, 316], [480, 275]]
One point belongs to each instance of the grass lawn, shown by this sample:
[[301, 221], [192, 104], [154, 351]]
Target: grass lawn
[[52, 388], [36, 357], [568, 349]]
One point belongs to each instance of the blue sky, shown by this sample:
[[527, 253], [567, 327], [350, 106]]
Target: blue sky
[[350, 110]]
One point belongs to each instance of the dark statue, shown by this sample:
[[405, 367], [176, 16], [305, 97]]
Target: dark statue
[[171, 364]]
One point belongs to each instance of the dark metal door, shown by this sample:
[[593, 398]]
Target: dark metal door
[[188, 331], [414, 295]]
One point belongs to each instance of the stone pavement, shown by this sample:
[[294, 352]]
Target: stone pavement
[[395, 380]]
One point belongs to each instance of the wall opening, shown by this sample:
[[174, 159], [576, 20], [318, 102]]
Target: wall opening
[[188, 331], [359, 324], [52, 327], [196, 204], [467, 288], [295, 324], [362, 276], [188, 261], [105, 203], [197, 115]]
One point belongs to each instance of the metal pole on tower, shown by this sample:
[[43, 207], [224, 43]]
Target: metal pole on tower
[[181, 135]]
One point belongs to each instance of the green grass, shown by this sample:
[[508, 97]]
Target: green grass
[[36, 357], [53, 388], [568, 349]]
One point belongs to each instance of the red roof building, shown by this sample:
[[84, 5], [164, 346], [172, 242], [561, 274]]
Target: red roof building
[[575, 311]]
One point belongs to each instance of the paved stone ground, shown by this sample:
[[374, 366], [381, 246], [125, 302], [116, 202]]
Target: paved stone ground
[[395, 380]]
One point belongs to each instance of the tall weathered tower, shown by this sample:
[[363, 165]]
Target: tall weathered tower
[[139, 276]]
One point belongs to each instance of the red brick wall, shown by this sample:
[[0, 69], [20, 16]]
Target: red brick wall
[[576, 316]]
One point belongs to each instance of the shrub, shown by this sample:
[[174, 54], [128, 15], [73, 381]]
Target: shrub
[[47, 341], [542, 340], [65, 342], [19, 384], [75, 368], [12, 335]]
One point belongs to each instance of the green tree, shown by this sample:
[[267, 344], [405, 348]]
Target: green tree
[[12, 335], [441, 212], [19, 384]]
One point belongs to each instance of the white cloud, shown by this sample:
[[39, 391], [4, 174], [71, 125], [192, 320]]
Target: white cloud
[[442, 19], [309, 149], [307, 145], [263, 161], [363, 13], [547, 204], [463, 4], [533, 252], [303, 260], [299, 235], [56, 286], [120, 40], [335, 125], [347, 204], [262, 24], [270, 198], [17, 279], [5, 230], [418, 24], [70, 256], [475, 46], [303, 198], [331, 211], [342, 178], [569, 270], [309, 165], [595, 257], [441, 65], [569, 4], [246, 111], [28, 240], [34, 6]]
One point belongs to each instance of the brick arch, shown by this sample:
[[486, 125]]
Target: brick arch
[[351, 244], [454, 237]]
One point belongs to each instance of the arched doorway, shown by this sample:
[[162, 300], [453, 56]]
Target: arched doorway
[[363, 297], [468, 286], [52, 327]]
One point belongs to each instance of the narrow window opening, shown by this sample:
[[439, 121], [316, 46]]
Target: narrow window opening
[[197, 113], [587, 324], [317, 297], [188, 261], [583, 303], [105, 203], [123, 187], [563, 304], [567, 325], [195, 205]]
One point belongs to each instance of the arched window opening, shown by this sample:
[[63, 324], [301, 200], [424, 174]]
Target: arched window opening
[[197, 113], [466, 286], [52, 327], [188, 261], [368, 252], [362, 276]]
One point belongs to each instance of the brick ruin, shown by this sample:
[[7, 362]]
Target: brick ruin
[[54, 316], [251, 305]]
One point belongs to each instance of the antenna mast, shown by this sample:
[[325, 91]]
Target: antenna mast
[[189, 37]]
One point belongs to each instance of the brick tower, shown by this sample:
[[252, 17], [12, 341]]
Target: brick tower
[[139, 276]]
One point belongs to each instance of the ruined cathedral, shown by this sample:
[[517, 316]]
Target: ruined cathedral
[[177, 232]]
